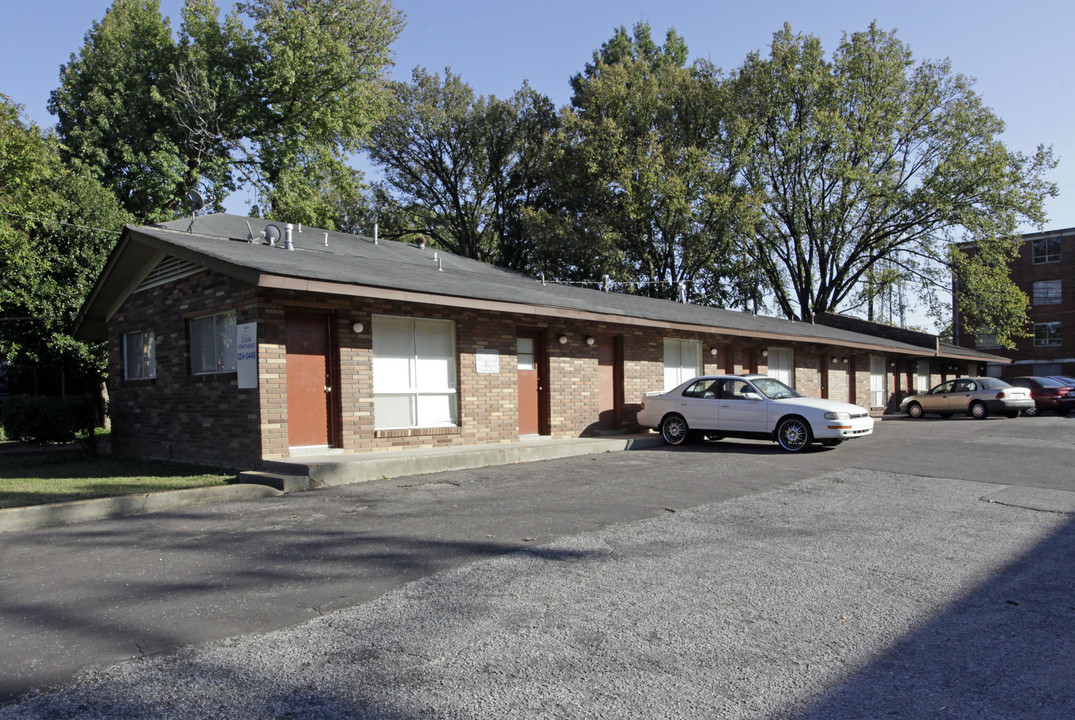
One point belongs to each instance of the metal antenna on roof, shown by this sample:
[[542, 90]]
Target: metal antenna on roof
[[197, 202]]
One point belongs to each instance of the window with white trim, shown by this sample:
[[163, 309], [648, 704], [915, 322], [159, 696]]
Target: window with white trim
[[1047, 334], [922, 377], [1047, 250], [414, 373], [782, 365], [1047, 292], [682, 361], [212, 344], [139, 355]]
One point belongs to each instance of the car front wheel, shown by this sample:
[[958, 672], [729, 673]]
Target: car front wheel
[[915, 410], [793, 434], [674, 430], [978, 411]]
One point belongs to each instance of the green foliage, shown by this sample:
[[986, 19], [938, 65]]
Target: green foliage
[[57, 228], [640, 180], [989, 303], [42, 420], [459, 168], [867, 162], [252, 100]]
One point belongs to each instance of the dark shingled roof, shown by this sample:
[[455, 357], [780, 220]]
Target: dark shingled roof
[[219, 242]]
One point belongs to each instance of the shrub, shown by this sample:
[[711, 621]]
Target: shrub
[[41, 420]]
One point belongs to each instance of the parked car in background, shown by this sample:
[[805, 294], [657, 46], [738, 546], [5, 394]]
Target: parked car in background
[[1048, 393], [1066, 379], [751, 406], [974, 396]]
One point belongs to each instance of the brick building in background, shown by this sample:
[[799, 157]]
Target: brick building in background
[[1045, 271]]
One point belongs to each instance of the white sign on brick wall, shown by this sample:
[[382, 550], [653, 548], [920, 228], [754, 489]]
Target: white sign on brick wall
[[246, 360], [487, 361]]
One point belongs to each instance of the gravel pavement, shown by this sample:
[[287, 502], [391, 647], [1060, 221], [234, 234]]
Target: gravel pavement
[[853, 594]]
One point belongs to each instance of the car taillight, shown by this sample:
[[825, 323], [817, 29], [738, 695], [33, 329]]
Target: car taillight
[[1000, 395]]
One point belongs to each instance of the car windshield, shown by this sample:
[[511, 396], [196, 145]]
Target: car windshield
[[992, 383], [1049, 382], [773, 389]]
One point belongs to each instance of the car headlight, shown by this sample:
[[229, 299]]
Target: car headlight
[[837, 416]]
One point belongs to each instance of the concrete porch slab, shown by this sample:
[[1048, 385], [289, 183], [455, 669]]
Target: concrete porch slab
[[325, 470]]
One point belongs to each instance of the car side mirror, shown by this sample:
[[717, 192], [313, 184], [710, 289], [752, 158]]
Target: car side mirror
[[751, 395]]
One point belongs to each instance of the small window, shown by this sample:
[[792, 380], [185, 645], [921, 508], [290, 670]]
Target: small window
[[1047, 292], [139, 355], [1047, 334], [984, 341], [212, 344], [1047, 250]]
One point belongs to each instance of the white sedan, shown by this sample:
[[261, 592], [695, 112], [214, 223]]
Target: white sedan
[[751, 406]]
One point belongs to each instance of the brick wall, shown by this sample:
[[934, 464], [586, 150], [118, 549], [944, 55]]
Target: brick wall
[[207, 418]]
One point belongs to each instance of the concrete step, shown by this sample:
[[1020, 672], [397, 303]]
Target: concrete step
[[363, 467], [280, 481]]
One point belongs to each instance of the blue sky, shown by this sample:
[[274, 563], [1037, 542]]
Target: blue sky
[[1020, 53]]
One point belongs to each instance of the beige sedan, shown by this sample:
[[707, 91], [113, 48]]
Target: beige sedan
[[974, 396]]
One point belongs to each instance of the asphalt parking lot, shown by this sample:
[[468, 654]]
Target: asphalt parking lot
[[450, 591]]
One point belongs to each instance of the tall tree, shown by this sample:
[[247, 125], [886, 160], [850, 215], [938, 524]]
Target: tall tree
[[640, 178], [868, 165], [458, 167], [248, 101], [56, 230]]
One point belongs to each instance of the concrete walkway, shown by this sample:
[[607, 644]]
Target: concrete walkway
[[315, 471]]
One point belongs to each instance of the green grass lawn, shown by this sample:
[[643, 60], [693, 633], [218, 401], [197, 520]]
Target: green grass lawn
[[58, 477]]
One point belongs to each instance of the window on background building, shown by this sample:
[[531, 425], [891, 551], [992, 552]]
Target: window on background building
[[212, 344], [1047, 250], [986, 340], [1047, 292], [414, 373], [781, 365], [682, 361], [139, 355], [1046, 334]]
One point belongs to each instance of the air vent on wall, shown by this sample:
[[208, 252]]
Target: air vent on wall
[[169, 269]]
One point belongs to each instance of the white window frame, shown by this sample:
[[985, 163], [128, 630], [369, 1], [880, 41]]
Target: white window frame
[[221, 357], [782, 365], [1045, 256], [923, 376], [1047, 292], [878, 381], [410, 376], [682, 361], [1050, 337], [143, 364]]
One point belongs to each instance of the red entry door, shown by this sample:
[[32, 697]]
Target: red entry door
[[309, 379], [609, 382], [527, 358]]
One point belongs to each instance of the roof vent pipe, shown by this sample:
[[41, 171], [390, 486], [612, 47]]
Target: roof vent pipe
[[375, 234], [326, 239], [440, 266], [682, 292], [288, 245], [606, 281]]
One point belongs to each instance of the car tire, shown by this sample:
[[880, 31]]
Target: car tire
[[831, 443], [793, 434], [915, 410], [1013, 414], [1031, 411], [978, 411], [674, 430]]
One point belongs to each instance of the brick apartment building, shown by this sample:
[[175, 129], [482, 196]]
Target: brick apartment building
[[226, 347], [1045, 271]]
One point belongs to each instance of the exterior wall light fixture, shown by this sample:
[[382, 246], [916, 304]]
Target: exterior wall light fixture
[[358, 327], [713, 352], [589, 340], [563, 339]]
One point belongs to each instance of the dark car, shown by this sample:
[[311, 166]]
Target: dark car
[[1048, 393]]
